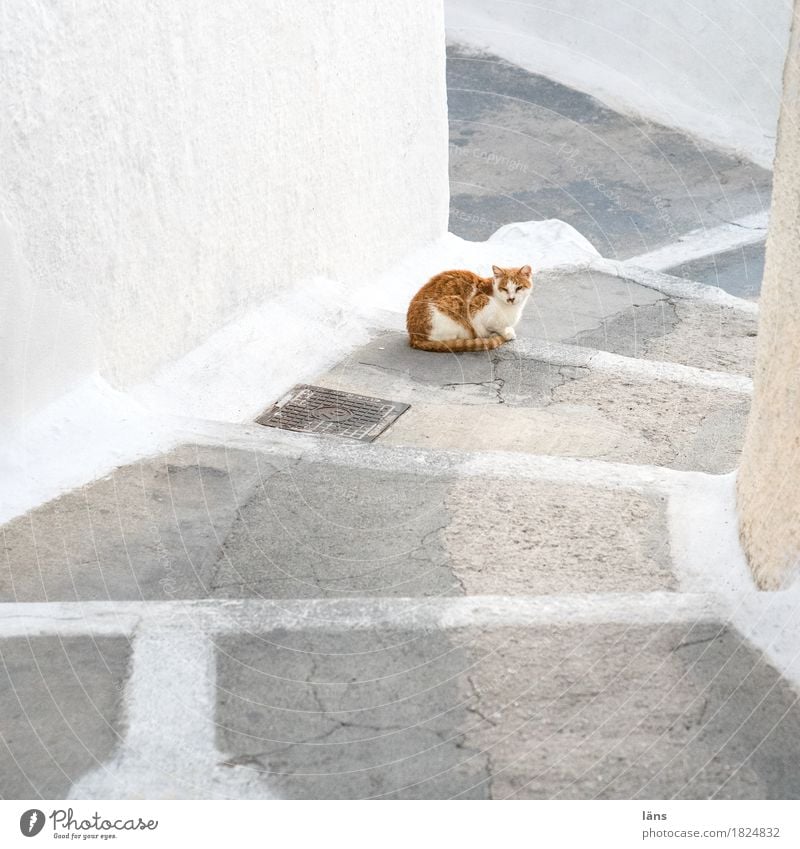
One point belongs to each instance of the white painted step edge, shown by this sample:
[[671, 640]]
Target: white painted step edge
[[673, 287], [706, 241], [341, 615]]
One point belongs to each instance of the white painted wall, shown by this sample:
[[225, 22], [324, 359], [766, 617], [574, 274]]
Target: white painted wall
[[710, 67], [167, 168]]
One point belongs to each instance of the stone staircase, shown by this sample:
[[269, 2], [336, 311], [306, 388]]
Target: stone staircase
[[524, 588]]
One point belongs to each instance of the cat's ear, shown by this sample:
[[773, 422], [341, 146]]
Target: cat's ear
[[498, 272], [526, 270]]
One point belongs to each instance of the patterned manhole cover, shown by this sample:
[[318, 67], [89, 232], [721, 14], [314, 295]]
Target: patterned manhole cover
[[315, 409]]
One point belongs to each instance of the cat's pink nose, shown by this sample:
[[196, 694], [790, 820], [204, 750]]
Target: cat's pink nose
[[511, 300]]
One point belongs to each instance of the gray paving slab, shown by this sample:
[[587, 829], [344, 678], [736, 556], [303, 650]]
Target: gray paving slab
[[684, 711], [328, 531], [664, 424], [378, 714], [630, 331], [737, 271], [537, 537], [523, 147], [612, 712], [387, 365], [565, 304], [60, 713], [150, 530], [692, 333]]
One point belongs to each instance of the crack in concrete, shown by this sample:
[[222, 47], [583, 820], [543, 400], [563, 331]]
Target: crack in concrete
[[739, 225], [216, 556], [477, 709], [458, 740], [487, 384], [404, 372], [631, 332], [312, 682], [699, 642], [703, 711], [426, 541]]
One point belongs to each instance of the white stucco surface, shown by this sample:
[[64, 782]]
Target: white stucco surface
[[710, 67], [166, 171]]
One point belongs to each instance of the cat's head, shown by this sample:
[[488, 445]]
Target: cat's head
[[512, 285]]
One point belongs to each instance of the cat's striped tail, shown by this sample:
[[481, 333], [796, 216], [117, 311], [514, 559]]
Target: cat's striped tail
[[455, 346]]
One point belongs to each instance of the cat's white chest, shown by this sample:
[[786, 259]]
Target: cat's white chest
[[498, 315], [510, 313]]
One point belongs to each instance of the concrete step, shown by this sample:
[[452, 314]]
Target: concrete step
[[617, 313], [608, 711], [739, 270], [622, 709], [507, 400], [620, 315], [216, 522], [692, 333]]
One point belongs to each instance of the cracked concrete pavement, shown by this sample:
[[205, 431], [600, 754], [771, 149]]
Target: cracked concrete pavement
[[514, 402], [318, 530]]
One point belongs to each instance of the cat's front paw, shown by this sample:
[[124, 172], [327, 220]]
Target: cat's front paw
[[509, 334]]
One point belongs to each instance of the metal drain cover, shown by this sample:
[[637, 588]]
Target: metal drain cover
[[316, 409]]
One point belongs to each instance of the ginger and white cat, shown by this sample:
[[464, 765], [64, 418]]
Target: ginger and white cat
[[460, 311]]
